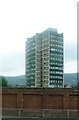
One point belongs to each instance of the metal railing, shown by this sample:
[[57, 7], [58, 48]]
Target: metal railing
[[39, 113]]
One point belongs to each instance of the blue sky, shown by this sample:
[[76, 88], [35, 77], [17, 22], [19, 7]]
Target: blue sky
[[21, 19]]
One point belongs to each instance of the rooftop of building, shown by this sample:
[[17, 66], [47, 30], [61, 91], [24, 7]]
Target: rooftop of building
[[54, 30]]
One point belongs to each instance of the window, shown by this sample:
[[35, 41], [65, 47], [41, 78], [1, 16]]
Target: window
[[44, 76], [31, 77], [51, 63], [51, 77], [51, 67], [52, 49], [44, 58]]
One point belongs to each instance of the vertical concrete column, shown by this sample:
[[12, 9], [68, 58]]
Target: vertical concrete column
[[43, 104], [20, 100], [66, 101]]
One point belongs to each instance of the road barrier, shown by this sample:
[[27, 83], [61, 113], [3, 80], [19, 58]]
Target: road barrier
[[39, 113]]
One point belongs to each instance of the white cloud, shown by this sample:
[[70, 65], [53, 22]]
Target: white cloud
[[70, 67], [13, 64]]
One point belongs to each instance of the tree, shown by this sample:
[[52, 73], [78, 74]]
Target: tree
[[4, 82], [0, 80]]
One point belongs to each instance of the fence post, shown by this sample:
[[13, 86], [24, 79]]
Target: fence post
[[43, 113], [68, 113], [19, 113]]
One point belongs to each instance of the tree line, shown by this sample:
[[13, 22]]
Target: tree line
[[3, 81]]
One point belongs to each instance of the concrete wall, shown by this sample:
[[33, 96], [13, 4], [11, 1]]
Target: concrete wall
[[35, 98]]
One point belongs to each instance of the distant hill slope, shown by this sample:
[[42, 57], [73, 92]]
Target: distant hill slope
[[69, 79], [17, 80]]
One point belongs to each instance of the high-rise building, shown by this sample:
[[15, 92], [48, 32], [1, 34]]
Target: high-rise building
[[44, 59]]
